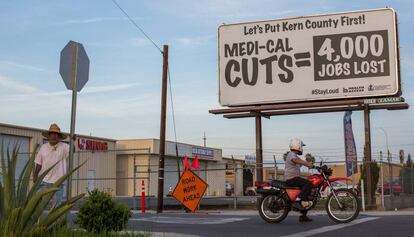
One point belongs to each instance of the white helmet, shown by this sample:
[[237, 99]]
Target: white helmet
[[296, 145]]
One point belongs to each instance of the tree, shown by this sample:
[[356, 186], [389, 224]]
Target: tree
[[401, 156], [310, 158], [409, 161], [285, 155], [375, 170]]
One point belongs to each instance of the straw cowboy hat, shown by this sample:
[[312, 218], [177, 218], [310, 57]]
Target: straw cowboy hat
[[54, 128]]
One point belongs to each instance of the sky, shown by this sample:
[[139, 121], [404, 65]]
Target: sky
[[122, 97]]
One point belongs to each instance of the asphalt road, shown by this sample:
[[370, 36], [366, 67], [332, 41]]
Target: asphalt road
[[249, 224]]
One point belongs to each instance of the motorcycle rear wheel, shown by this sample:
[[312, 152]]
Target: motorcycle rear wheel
[[350, 206], [272, 208]]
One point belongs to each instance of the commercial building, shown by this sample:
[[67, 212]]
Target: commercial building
[[110, 164], [143, 154], [234, 176], [98, 152]]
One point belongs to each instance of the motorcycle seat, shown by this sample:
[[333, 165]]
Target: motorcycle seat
[[281, 184], [278, 184]]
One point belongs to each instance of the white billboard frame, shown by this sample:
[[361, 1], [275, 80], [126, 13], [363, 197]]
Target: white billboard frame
[[392, 50]]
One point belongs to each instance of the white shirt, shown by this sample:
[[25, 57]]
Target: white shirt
[[292, 169], [49, 155]]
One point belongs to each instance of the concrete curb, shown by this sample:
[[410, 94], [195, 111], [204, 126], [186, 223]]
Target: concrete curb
[[254, 213]]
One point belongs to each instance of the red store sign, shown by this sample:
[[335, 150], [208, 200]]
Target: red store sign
[[87, 144]]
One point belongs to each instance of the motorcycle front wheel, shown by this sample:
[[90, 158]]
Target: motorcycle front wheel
[[342, 206], [272, 208]]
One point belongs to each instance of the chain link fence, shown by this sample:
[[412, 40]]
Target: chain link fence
[[130, 172]]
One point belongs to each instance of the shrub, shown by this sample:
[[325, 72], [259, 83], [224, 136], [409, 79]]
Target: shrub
[[99, 213], [22, 206], [375, 169]]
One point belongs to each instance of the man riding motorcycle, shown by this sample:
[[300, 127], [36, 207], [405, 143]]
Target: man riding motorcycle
[[292, 174]]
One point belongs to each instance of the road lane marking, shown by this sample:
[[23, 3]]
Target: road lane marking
[[192, 221], [330, 228]]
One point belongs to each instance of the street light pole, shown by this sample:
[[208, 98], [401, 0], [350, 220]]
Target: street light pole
[[388, 159], [386, 141]]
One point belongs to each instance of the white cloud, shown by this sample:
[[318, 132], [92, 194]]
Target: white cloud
[[25, 91], [115, 87], [138, 42], [95, 20], [236, 9], [10, 64], [192, 42], [8, 83]]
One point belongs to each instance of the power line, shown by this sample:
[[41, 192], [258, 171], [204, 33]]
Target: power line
[[137, 26], [172, 104]]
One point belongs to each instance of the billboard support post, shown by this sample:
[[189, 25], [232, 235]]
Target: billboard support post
[[367, 157], [259, 149]]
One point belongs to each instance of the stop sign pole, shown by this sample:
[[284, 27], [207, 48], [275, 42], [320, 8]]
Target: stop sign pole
[[74, 69], [72, 119]]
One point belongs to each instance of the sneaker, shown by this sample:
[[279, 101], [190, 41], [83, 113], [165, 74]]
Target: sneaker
[[304, 219], [306, 204]]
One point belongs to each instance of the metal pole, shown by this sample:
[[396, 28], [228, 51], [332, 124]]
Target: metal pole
[[353, 177], [363, 194], [388, 158], [178, 161], [412, 179], [259, 149], [274, 158], [391, 173], [73, 118], [160, 194], [134, 170], [368, 153], [235, 183], [77, 176], [149, 177], [382, 182]]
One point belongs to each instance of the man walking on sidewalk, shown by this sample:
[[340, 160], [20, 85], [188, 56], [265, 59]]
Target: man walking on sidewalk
[[51, 153]]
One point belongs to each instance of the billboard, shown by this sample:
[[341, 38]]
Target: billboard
[[333, 56]]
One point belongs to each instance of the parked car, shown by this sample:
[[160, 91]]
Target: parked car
[[396, 188], [338, 185], [250, 191]]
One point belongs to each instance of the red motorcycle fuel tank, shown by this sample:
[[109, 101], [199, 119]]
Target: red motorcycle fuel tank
[[315, 179]]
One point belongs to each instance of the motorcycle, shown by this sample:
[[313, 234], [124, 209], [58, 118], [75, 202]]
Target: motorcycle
[[277, 199]]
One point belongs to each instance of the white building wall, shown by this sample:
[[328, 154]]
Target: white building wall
[[216, 179]]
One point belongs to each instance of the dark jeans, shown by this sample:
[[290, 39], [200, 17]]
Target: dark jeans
[[303, 184]]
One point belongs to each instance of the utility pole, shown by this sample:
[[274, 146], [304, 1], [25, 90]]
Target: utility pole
[[205, 139], [160, 197]]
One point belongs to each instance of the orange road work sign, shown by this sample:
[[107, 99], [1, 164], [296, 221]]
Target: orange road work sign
[[190, 190]]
